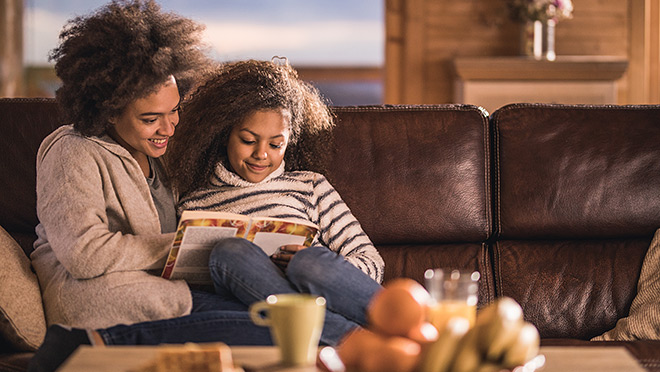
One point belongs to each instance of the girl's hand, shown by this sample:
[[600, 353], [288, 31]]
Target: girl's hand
[[282, 257]]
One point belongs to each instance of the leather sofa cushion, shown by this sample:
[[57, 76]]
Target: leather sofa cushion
[[412, 260], [22, 319], [415, 174], [25, 123], [577, 172], [570, 288]]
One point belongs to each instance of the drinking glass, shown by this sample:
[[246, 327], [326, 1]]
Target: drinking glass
[[453, 294]]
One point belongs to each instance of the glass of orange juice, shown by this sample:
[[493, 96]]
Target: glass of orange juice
[[453, 294]]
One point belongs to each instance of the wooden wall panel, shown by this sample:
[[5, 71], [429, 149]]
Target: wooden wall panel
[[473, 28], [461, 28], [653, 50], [11, 48]]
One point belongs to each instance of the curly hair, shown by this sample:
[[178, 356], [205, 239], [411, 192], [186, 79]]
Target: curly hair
[[122, 52], [225, 100]]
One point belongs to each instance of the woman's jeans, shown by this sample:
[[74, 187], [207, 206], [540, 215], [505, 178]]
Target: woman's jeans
[[244, 274], [228, 326]]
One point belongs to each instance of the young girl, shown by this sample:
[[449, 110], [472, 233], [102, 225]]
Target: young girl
[[248, 141]]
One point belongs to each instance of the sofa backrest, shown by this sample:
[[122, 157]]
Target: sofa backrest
[[555, 205], [577, 201], [25, 123], [417, 179]]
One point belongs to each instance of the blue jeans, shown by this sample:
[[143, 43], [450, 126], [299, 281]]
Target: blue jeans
[[239, 264], [229, 326], [240, 269], [213, 319]]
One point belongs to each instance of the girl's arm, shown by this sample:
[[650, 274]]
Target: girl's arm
[[342, 233], [72, 206]]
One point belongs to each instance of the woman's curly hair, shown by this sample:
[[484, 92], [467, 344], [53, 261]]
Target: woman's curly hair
[[225, 100], [122, 52]]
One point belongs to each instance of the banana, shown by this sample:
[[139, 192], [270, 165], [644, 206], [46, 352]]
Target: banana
[[500, 323], [438, 355], [525, 347], [468, 356], [499, 339]]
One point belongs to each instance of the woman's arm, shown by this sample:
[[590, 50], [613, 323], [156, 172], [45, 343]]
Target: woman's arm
[[80, 209], [342, 232]]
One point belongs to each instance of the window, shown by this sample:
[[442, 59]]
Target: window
[[338, 45]]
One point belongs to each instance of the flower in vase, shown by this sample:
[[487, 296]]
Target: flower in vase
[[540, 10]]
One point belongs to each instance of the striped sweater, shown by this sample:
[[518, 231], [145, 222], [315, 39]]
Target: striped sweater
[[301, 195]]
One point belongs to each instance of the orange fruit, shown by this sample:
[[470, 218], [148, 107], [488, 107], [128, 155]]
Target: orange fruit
[[424, 333], [366, 351], [398, 308], [354, 346], [397, 354]]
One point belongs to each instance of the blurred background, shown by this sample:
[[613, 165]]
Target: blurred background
[[388, 51], [337, 44]]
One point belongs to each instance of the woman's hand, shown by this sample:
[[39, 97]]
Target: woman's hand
[[283, 255]]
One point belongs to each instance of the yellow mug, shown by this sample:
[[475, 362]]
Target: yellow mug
[[295, 321]]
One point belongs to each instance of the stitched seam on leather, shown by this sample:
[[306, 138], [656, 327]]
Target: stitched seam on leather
[[487, 211], [649, 364], [487, 188], [402, 108], [487, 185], [26, 100], [579, 106], [499, 268], [498, 190], [498, 171], [487, 264]]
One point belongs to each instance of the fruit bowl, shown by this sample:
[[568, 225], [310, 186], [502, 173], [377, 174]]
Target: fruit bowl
[[398, 337]]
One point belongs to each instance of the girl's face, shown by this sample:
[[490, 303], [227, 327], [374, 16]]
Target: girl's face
[[256, 147], [146, 124]]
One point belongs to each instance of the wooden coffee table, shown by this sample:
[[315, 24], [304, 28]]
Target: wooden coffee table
[[127, 358], [265, 359]]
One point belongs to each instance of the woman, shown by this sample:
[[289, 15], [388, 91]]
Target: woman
[[104, 203]]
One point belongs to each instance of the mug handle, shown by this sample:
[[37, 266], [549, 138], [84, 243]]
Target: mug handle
[[255, 313]]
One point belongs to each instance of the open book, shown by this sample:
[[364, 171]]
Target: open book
[[198, 232]]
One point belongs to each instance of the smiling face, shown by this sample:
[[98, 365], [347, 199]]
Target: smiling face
[[146, 124], [256, 147]]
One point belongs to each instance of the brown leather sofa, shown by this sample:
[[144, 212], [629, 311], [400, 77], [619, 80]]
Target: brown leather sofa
[[555, 205]]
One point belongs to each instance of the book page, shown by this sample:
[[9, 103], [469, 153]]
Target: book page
[[270, 242], [192, 263], [196, 235], [271, 233]]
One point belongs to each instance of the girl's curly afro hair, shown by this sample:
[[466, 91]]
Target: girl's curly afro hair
[[120, 53], [225, 100]]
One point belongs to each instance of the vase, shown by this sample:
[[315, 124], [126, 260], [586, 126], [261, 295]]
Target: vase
[[537, 39]]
